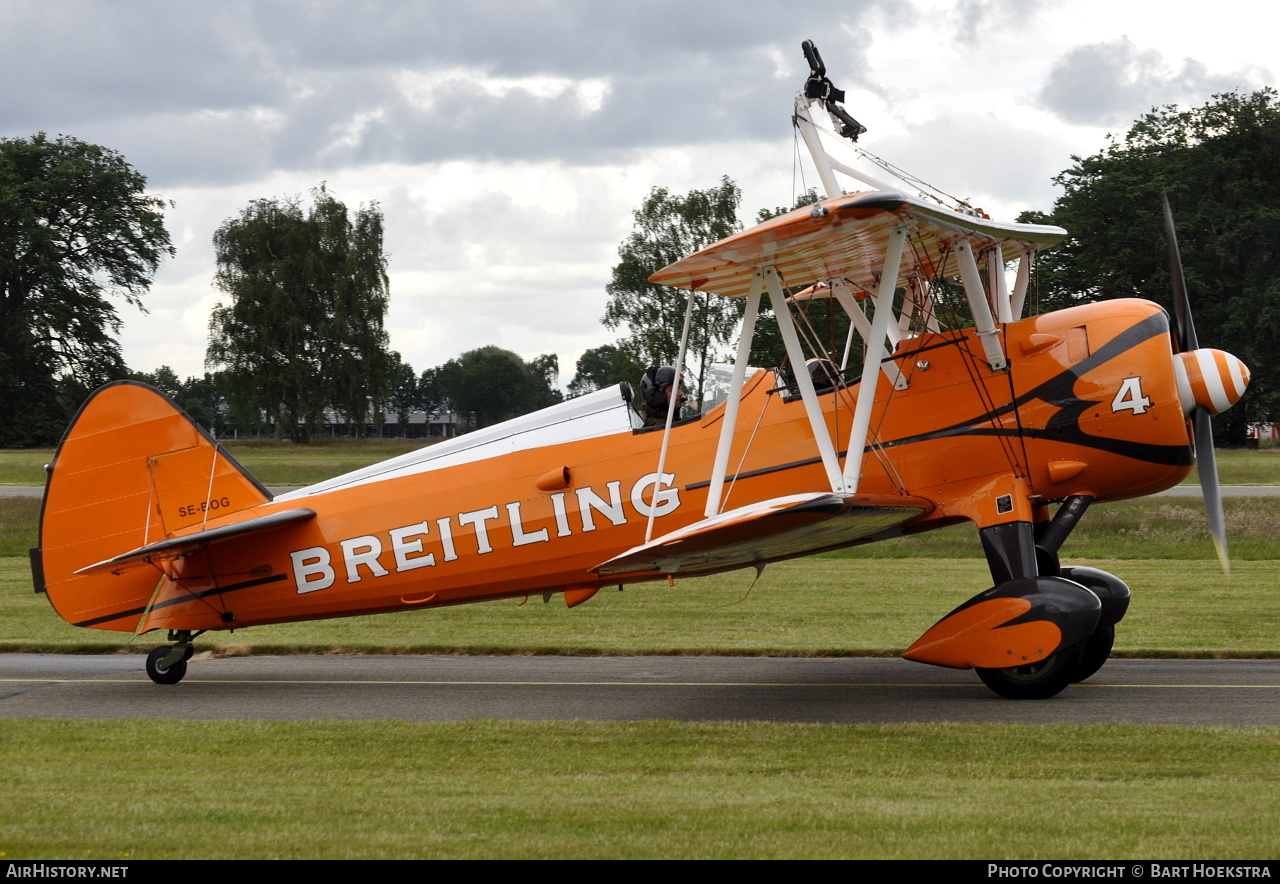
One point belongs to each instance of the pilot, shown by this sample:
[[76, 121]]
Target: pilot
[[655, 388]]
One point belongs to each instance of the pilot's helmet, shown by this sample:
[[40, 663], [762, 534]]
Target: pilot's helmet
[[656, 379], [823, 373]]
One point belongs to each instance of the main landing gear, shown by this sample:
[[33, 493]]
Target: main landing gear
[[1048, 677], [167, 664], [1018, 550]]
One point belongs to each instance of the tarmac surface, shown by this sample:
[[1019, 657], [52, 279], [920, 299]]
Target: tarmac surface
[[450, 688]]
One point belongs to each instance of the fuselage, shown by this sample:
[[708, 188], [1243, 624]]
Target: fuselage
[[1089, 405]]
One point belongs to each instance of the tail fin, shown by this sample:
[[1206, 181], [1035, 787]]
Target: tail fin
[[131, 469]]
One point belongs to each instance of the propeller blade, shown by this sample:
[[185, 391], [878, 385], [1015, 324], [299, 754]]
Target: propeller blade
[[1181, 303], [1206, 459], [1207, 465]]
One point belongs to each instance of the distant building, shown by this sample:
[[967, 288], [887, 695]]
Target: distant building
[[421, 424]]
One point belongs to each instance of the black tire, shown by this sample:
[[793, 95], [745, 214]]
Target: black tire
[[1035, 681], [1094, 651], [172, 675]]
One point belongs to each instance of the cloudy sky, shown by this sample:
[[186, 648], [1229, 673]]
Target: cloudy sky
[[507, 143]]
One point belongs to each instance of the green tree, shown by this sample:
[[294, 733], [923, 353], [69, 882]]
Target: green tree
[[823, 325], [669, 227], [492, 385], [304, 328], [77, 229], [544, 371], [199, 397], [604, 366], [164, 379], [808, 198], [1217, 163], [202, 398], [404, 395], [431, 393]]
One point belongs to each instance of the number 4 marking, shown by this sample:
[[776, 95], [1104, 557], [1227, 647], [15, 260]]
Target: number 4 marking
[[1130, 397]]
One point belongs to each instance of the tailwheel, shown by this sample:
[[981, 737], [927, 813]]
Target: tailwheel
[[1094, 651], [1037, 681], [167, 665]]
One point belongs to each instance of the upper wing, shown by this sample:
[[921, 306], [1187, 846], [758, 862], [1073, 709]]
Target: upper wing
[[782, 528], [844, 237]]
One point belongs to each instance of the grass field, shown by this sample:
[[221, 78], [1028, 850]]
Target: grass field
[[807, 607], [113, 790], [282, 463], [643, 790]]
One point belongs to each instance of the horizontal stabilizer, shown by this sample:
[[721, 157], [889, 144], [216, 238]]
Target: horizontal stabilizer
[[782, 528], [178, 547]]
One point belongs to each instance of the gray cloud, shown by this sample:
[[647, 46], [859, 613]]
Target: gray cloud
[[574, 37], [197, 94], [974, 18], [1114, 82], [980, 158], [80, 62]]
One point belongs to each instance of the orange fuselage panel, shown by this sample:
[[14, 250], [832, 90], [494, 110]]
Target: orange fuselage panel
[[1089, 405]]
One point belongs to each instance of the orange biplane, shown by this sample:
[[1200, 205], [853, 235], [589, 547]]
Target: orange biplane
[[961, 410]]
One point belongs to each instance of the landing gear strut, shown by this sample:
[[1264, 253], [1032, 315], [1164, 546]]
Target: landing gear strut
[[167, 664]]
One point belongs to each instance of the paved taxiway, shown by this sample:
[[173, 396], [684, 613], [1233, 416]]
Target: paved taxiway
[[425, 688]]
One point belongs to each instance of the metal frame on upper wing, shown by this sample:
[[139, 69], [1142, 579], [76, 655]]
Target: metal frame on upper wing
[[872, 243]]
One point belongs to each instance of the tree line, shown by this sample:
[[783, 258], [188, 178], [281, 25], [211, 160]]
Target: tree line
[[477, 389], [302, 330], [301, 336], [1216, 163]]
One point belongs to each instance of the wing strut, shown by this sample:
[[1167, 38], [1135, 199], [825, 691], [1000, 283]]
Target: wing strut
[[999, 287], [786, 325], [1020, 285], [671, 414], [873, 356], [983, 322], [858, 320], [730, 422]]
